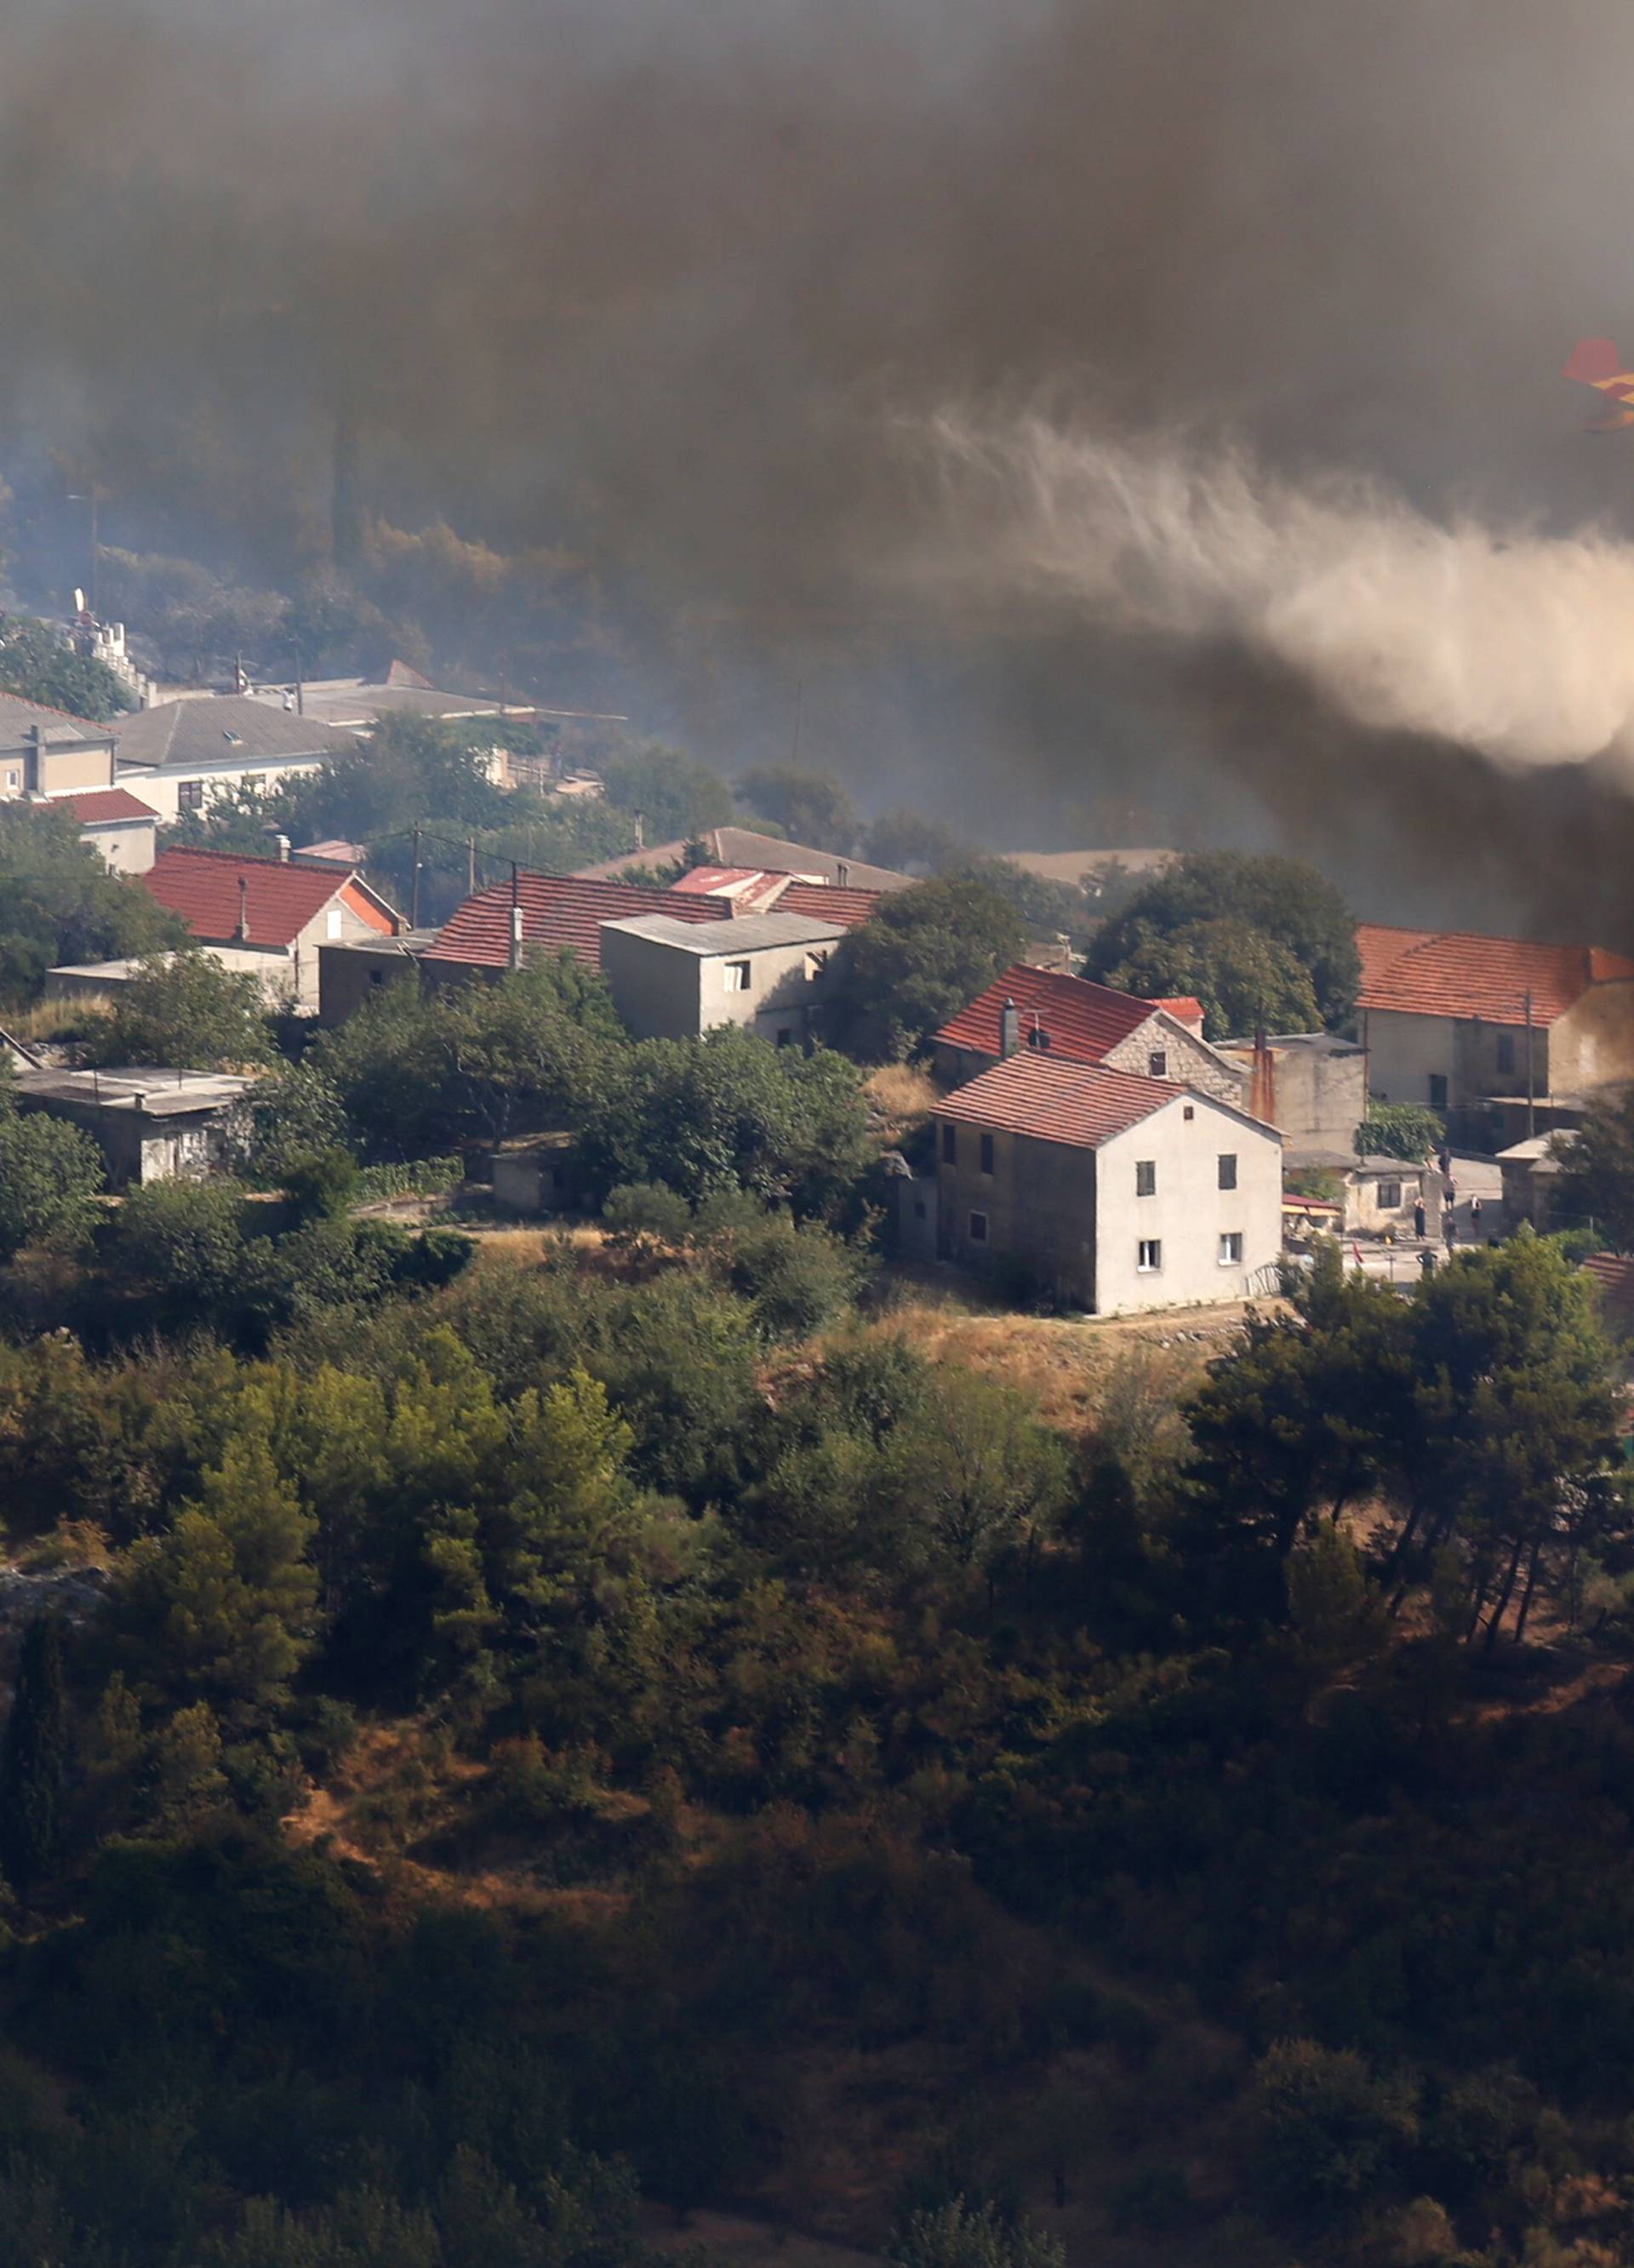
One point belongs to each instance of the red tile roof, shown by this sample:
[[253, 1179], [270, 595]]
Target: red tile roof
[[1420, 972], [751, 887], [1080, 1104], [558, 911], [1183, 1007], [1082, 1020], [102, 806], [566, 911], [826, 901], [279, 899]]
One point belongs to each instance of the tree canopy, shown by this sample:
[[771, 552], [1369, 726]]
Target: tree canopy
[[921, 955], [808, 807], [59, 903], [1595, 1181], [1245, 981], [36, 663], [1287, 903], [185, 1009]]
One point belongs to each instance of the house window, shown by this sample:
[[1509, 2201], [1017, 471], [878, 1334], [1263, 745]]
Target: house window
[[918, 1208], [1145, 1177], [737, 976], [978, 1228], [332, 926], [987, 1154], [784, 1035], [1506, 1051], [1389, 1196], [1188, 1112], [14, 779], [1437, 1090], [1228, 1169], [1231, 1248], [1157, 1063], [815, 963], [190, 795], [950, 1145], [1149, 1254]]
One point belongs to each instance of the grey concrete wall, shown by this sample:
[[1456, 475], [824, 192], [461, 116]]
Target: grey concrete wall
[[666, 992], [656, 988], [1040, 1205], [347, 979], [1593, 1045]]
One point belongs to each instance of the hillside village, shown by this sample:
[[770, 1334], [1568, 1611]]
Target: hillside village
[[713, 1544]]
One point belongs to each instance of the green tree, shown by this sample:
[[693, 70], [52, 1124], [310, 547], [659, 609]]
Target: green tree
[[922, 955], [33, 1757], [728, 1111], [808, 807], [1328, 2132], [1245, 980], [185, 1010], [962, 2236], [410, 770], [222, 1608], [676, 796], [59, 903], [1284, 900], [1595, 1182], [1399, 1130], [35, 663], [986, 1478], [51, 1174]]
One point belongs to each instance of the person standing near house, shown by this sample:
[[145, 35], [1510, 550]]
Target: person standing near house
[[1449, 1223], [1475, 1217], [1419, 1215]]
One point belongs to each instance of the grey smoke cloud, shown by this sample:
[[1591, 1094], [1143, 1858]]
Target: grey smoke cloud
[[1516, 644]]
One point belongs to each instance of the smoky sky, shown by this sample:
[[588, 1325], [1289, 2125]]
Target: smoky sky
[[686, 287]]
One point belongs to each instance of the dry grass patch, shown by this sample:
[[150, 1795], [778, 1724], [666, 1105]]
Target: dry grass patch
[[903, 1096]]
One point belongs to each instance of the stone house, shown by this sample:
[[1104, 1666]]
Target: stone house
[[1037, 1012], [767, 973], [151, 1123], [1493, 1032], [1310, 1086], [271, 908], [1115, 1191]]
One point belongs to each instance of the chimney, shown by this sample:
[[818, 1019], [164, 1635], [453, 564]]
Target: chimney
[[1009, 1028], [841, 874], [281, 842], [516, 937], [1262, 1081], [641, 830], [242, 933], [34, 762]]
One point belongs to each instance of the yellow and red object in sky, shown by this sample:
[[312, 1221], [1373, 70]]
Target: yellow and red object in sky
[[1595, 362]]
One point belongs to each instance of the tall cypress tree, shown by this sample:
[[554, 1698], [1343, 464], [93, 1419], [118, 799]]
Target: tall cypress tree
[[31, 1758]]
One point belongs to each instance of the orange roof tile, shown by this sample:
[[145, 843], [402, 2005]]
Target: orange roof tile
[[279, 899], [1418, 972], [1082, 1020], [1080, 1104], [101, 807]]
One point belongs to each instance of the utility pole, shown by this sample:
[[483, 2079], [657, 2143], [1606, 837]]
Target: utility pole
[[470, 865], [1531, 1075], [300, 690], [414, 885]]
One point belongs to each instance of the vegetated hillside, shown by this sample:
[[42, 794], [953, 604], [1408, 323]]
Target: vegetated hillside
[[628, 1721]]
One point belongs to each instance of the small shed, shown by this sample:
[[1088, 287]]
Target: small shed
[[151, 1123], [538, 1176]]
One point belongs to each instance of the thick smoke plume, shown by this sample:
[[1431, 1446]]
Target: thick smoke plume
[[1519, 645]]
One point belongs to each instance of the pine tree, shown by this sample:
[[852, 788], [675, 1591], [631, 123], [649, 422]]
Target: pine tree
[[32, 1758]]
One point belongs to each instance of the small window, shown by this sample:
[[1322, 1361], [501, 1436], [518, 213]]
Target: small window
[[1389, 1196], [950, 1145], [737, 976], [1157, 1063], [1437, 1090], [14, 779], [1188, 1112], [334, 923], [1228, 1169], [784, 1035], [190, 795], [1231, 1248], [978, 1228], [987, 1154], [918, 1208], [1149, 1254], [1145, 1177], [377, 976], [1506, 1051], [815, 963]]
